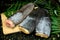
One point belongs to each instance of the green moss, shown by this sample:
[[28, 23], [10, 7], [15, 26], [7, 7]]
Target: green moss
[[45, 4], [54, 15]]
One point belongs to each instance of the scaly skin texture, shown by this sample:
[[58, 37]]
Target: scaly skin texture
[[28, 24], [20, 15], [44, 26], [43, 23]]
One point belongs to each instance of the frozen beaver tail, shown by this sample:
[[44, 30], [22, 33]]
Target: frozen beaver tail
[[20, 15]]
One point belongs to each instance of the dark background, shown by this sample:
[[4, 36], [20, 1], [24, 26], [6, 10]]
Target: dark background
[[4, 4]]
